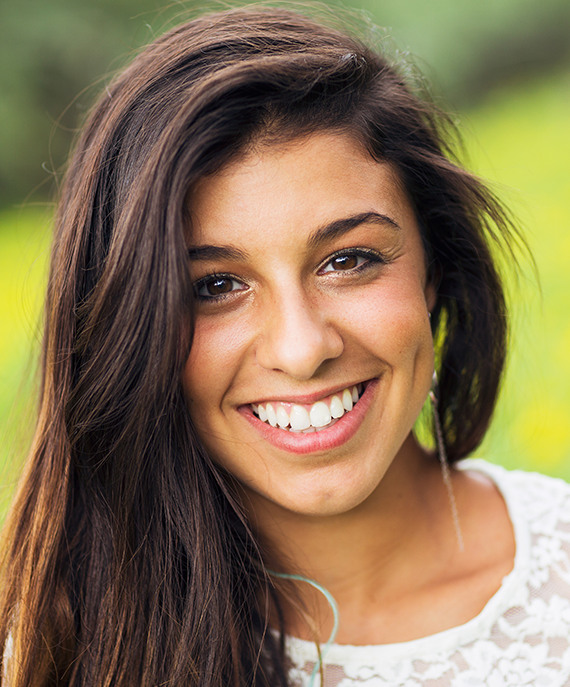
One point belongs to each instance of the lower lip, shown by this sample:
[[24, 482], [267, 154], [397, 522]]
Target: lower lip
[[315, 442]]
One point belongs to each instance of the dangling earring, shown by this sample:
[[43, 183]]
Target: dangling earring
[[442, 453]]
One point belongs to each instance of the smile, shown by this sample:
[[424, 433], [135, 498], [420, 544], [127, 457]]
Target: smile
[[336, 424], [305, 419]]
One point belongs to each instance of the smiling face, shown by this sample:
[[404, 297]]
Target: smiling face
[[312, 354]]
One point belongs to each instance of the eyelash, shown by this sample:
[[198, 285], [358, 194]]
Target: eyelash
[[370, 258], [203, 283]]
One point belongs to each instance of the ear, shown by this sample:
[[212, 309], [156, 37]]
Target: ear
[[430, 294]]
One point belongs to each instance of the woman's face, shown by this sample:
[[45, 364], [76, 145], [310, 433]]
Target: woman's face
[[311, 315]]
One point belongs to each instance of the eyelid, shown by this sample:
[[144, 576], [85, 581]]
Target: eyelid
[[373, 256], [199, 283]]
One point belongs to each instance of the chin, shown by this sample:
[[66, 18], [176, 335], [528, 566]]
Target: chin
[[329, 492]]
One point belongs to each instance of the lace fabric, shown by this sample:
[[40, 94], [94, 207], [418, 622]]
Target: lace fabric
[[521, 637]]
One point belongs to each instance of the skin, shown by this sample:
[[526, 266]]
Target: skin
[[365, 514]]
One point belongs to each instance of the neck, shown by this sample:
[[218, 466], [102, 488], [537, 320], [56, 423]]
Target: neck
[[373, 551]]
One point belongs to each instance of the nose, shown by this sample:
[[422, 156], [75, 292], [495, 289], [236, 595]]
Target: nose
[[297, 338]]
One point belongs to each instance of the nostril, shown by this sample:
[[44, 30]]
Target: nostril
[[298, 354]]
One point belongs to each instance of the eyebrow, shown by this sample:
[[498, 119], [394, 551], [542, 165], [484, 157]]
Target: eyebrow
[[323, 234], [343, 226], [206, 253]]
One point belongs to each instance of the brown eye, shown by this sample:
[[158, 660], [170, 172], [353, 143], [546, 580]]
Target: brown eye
[[217, 286], [344, 262], [214, 287]]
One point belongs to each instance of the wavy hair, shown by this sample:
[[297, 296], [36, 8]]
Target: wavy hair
[[128, 561]]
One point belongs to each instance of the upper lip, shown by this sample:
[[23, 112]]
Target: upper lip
[[307, 399]]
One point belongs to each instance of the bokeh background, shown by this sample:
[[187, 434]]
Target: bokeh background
[[503, 68]]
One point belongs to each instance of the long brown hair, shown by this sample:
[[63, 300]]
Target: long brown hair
[[128, 561]]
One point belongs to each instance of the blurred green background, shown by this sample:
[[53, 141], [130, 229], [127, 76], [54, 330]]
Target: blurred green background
[[502, 65]]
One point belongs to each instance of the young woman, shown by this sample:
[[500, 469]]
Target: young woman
[[263, 244]]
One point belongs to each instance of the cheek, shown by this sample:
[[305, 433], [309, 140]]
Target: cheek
[[391, 326], [212, 363], [391, 320]]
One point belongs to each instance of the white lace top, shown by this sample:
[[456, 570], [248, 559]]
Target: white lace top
[[521, 637]]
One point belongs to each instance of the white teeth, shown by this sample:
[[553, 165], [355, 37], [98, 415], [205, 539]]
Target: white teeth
[[337, 409], [271, 416], [282, 417], [331, 423], [320, 414], [299, 418]]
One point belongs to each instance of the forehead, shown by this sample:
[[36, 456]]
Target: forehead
[[294, 188]]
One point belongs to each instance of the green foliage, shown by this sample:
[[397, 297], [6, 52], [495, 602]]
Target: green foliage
[[24, 248], [523, 143], [469, 47], [55, 56], [51, 53]]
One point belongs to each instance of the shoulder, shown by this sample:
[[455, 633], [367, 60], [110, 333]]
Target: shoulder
[[536, 503], [539, 509], [534, 623]]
